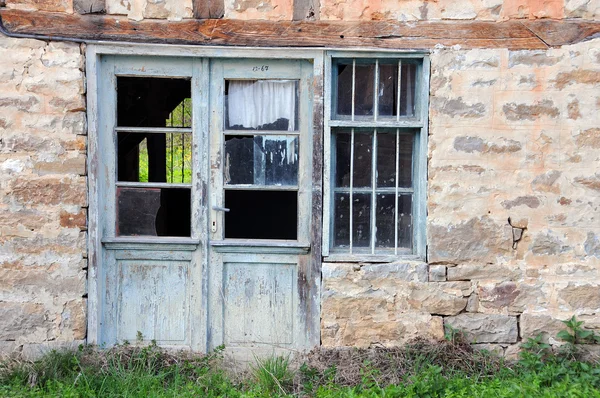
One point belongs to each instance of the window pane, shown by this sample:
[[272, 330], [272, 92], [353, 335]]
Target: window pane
[[363, 153], [153, 212], [388, 89], [363, 99], [361, 220], [261, 160], [344, 89], [261, 214], [153, 102], [405, 221], [342, 159], [386, 159], [385, 220], [407, 90], [341, 222], [405, 167], [154, 157], [261, 105]]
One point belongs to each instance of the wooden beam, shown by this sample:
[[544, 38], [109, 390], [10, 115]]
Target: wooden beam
[[373, 34], [558, 33]]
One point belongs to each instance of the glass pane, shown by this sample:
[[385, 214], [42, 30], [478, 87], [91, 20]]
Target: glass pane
[[365, 79], [342, 159], [386, 159], [344, 89], [261, 160], [407, 90], [261, 105], [154, 157], [153, 102], [388, 89], [405, 221], [361, 220], [405, 167], [362, 159], [153, 212], [341, 221], [261, 214], [385, 220]]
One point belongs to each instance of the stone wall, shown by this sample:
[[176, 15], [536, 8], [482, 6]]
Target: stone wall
[[514, 208], [405, 10], [43, 195]]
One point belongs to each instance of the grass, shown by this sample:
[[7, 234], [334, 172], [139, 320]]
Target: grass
[[419, 369]]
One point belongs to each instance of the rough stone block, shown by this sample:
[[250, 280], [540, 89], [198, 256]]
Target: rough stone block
[[532, 325], [34, 351], [486, 328], [437, 273], [467, 272]]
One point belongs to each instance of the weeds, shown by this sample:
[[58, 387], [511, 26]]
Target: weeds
[[419, 369]]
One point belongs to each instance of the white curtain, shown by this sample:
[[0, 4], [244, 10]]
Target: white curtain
[[254, 103]]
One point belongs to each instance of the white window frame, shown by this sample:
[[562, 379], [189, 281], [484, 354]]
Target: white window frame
[[418, 122]]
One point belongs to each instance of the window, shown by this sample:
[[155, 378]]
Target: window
[[376, 155], [260, 173], [154, 156]]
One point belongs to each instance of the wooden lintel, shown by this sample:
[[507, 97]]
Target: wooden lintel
[[337, 34]]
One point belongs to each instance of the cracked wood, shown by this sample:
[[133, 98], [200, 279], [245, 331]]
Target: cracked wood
[[374, 34]]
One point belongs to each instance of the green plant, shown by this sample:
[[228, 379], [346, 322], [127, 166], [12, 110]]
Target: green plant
[[273, 375], [453, 335], [576, 334], [534, 352]]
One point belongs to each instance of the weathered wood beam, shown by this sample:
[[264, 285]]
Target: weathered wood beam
[[373, 34], [558, 33]]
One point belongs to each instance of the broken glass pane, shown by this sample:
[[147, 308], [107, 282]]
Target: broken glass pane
[[261, 105], [153, 102], [361, 220], [261, 214], [153, 212], [261, 160], [154, 157]]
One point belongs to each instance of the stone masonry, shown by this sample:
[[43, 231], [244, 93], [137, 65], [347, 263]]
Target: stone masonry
[[514, 208], [513, 229], [43, 195]]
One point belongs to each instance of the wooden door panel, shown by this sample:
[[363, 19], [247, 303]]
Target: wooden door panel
[[153, 301], [259, 302]]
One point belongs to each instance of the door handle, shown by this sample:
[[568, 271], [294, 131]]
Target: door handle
[[217, 208]]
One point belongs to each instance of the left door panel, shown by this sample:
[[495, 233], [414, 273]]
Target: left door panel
[[150, 193]]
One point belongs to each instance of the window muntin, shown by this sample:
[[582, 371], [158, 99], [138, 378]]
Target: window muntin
[[261, 171], [375, 163], [369, 90], [153, 140], [372, 190]]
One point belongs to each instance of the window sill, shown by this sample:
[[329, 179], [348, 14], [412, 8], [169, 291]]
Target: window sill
[[369, 258]]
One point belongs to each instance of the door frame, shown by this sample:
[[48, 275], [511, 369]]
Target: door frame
[[310, 280]]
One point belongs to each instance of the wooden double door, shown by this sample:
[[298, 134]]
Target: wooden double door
[[205, 196]]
